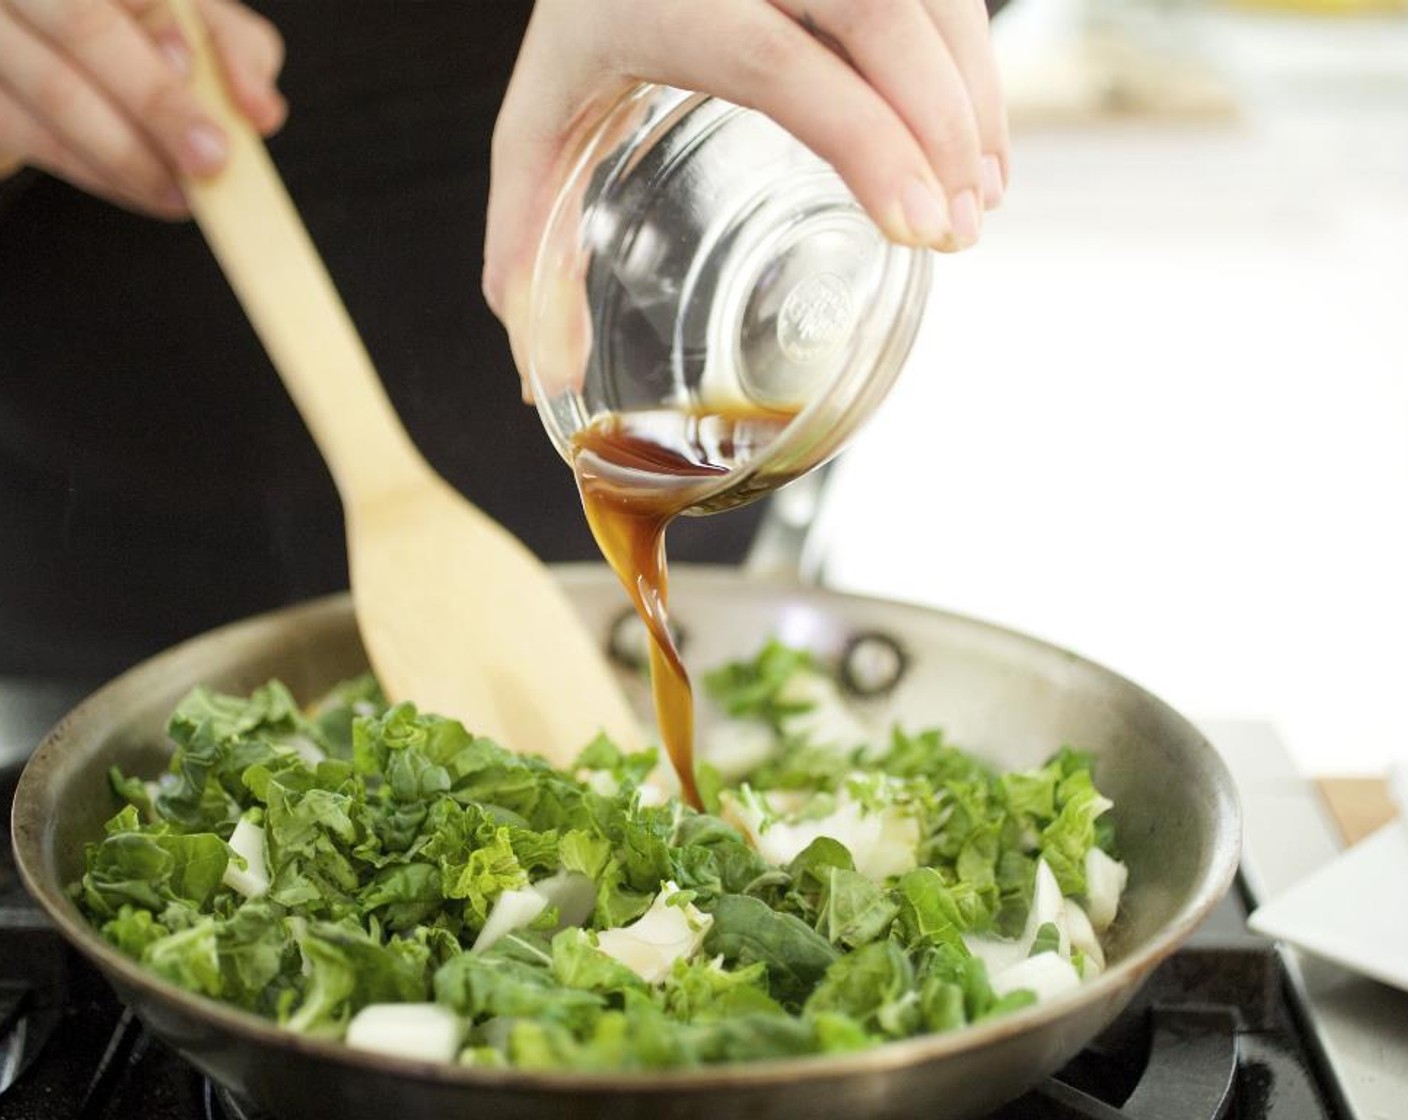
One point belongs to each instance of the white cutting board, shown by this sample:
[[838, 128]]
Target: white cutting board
[[1354, 910]]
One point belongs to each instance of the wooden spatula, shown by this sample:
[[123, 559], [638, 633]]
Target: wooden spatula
[[456, 614]]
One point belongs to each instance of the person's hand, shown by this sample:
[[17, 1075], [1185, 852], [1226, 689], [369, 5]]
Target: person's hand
[[94, 91], [900, 96]]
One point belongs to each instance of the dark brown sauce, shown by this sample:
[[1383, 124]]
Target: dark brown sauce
[[637, 472]]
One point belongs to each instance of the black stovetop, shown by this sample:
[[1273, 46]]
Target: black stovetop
[[1213, 1036]]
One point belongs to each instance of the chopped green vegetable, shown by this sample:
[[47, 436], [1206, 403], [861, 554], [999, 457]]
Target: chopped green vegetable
[[839, 895]]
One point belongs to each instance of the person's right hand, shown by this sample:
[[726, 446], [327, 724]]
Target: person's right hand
[[902, 97], [94, 91]]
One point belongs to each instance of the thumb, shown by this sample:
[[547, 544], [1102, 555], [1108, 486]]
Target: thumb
[[547, 114]]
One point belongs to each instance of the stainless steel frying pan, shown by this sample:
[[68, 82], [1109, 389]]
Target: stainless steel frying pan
[[1009, 697]]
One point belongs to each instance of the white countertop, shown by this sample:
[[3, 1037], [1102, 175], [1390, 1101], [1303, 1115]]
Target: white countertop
[[1160, 415]]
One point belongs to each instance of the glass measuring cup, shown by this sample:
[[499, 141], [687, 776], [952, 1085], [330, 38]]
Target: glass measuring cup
[[700, 260]]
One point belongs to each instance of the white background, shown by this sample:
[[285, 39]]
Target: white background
[[1160, 415]]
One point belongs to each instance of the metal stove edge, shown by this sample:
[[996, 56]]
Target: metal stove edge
[[1359, 1026]]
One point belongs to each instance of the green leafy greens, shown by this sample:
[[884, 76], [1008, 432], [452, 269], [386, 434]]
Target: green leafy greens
[[305, 865]]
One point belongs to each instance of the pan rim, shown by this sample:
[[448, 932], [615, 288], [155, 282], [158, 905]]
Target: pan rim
[[32, 827]]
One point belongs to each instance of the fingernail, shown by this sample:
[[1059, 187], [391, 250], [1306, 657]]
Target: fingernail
[[175, 198], [924, 212], [966, 220], [992, 183], [205, 144], [177, 54]]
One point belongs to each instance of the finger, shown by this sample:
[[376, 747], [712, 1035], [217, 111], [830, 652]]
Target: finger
[[754, 55], [83, 118], [897, 48], [258, 40], [62, 164], [159, 24], [251, 50], [530, 136], [33, 143], [124, 63], [965, 28]]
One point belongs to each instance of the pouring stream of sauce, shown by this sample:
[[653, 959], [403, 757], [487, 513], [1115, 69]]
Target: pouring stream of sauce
[[637, 472]]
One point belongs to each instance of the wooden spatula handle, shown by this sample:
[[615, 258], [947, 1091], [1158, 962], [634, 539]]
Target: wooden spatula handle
[[261, 243]]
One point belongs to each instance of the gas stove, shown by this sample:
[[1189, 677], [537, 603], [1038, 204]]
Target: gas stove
[[1229, 1027]]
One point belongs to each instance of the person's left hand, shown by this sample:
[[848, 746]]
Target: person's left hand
[[94, 91]]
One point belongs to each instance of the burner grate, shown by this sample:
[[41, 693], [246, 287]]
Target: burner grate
[[33, 990], [221, 1104], [1191, 1072]]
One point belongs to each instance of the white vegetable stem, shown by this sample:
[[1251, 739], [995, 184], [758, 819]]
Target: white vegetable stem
[[1083, 938], [573, 893], [1047, 975], [1075, 933], [882, 843], [828, 720], [1105, 880], [735, 747], [512, 910], [651, 944], [427, 1032], [247, 841]]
